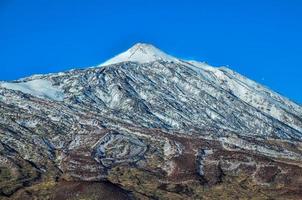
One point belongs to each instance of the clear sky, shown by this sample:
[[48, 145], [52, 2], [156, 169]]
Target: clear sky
[[261, 39]]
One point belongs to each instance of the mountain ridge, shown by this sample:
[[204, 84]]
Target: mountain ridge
[[272, 104]]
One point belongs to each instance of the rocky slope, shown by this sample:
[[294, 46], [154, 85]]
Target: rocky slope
[[153, 127]]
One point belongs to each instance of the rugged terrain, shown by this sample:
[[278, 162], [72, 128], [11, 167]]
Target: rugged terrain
[[146, 125]]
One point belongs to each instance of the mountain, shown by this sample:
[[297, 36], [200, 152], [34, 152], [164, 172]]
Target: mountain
[[147, 125]]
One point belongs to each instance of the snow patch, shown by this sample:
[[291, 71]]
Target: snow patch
[[39, 88], [141, 53]]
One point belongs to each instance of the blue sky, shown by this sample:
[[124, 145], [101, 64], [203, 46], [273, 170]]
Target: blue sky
[[261, 39]]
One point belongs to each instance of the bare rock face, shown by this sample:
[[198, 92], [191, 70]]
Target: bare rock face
[[146, 125], [115, 148], [267, 174], [213, 173]]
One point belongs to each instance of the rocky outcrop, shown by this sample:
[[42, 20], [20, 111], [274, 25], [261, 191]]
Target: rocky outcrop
[[116, 148]]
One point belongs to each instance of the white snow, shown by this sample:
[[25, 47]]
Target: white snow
[[257, 95], [200, 65], [146, 53], [141, 53], [40, 88]]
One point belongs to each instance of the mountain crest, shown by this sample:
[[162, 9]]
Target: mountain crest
[[141, 53]]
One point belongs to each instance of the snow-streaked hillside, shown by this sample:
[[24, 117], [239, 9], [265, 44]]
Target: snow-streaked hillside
[[146, 87]]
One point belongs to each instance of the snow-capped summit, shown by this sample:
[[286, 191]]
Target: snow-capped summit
[[141, 53]]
